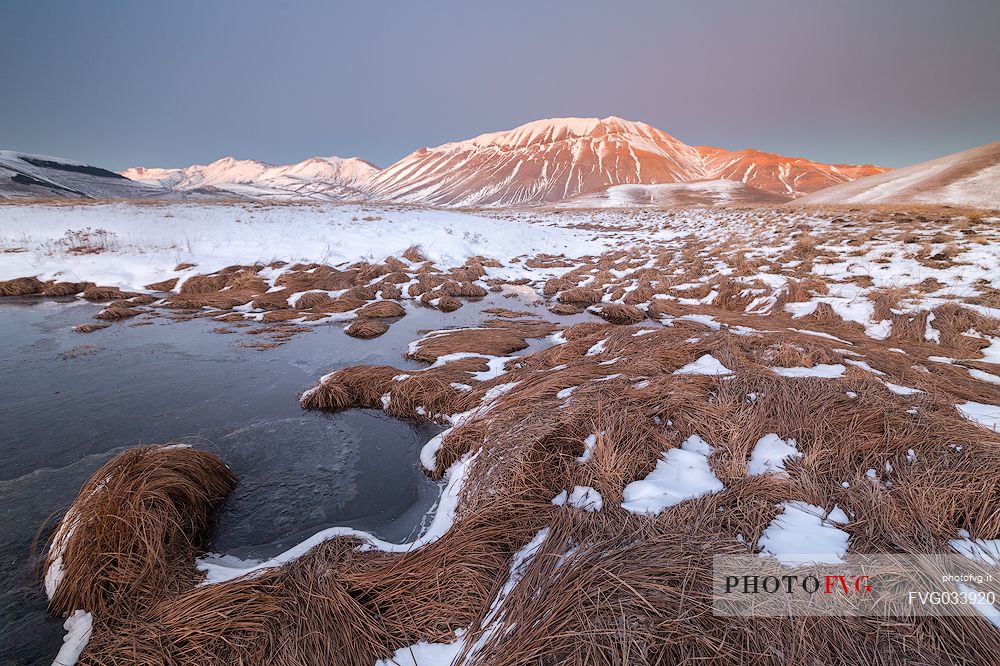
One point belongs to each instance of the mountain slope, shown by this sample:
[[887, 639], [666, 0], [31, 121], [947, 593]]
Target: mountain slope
[[970, 177], [542, 161], [790, 176], [548, 161], [28, 175], [332, 178]]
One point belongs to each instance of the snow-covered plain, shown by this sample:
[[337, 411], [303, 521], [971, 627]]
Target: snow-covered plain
[[146, 242]]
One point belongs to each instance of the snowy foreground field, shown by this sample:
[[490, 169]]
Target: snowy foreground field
[[809, 385]]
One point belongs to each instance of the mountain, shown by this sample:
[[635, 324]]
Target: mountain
[[333, 178], [571, 161], [967, 178], [787, 176], [27, 175], [549, 161]]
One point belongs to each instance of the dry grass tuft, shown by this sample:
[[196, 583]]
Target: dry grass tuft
[[448, 304], [53, 288], [415, 254], [500, 339], [313, 299], [566, 308], [203, 284], [89, 328], [617, 313], [24, 286], [129, 538], [366, 328], [389, 290], [97, 293], [377, 309], [117, 312], [580, 295], [165, 285]]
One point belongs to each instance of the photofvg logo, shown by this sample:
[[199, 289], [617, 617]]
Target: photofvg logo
[[858, 585]]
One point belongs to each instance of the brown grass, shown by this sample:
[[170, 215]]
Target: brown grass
[[617, 313], [448, 304], [203, 284], [130, 536], [25, 286], [98, 293], [612, 587], [566, 308], [377, 309], [366, 328], [414, 253], [117, 312], [500, 339], [582, 295], [165, 285], [53, 288], [389, 290], [313, 299]]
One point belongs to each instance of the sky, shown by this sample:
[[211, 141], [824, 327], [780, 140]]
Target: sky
[[120, 84]]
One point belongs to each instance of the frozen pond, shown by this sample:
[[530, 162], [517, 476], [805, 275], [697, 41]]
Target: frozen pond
[[69, 402]]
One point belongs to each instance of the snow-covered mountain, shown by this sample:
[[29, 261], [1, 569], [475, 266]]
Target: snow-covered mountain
[[554, 160], [967, 178], [333, 178], [770, 172], [579, 161], [28, 175]]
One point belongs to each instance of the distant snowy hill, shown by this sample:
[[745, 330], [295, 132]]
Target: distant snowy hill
[[970, 178], [328, 178], [27, 175], [554, 160]]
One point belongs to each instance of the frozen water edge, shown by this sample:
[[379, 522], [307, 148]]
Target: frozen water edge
[[220, 568]]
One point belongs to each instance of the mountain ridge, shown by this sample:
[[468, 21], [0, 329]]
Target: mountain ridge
[[552, 160]]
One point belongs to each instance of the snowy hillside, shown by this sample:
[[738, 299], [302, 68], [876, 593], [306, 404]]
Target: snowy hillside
[[791, 176], [970, 178], [28, 175], [332, 178], [548, 161]]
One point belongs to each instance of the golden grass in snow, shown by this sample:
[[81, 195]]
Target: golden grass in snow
[[892, 328]]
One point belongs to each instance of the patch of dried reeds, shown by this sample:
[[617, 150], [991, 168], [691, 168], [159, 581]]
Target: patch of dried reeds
[[99, 293], [165, 285], [618, 313], [24, 286], [129, 538], [53, 288], [582, 295], [377, 309], [366, 328], [117, 312]]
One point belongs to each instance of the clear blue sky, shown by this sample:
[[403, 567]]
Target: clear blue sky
[[120, 83]]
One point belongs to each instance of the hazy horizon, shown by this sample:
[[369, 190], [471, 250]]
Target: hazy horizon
[[120, 84]]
